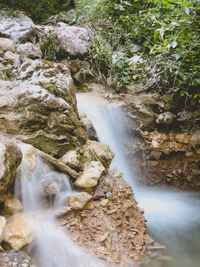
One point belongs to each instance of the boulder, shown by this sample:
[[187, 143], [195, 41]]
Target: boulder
[[12, 206], [2, 227], [10, 158], [49, 189], [40, 107], [195, 137], [19, 29], [18, 233], [90, 176], [72, 40], [95, 151], [29, 50], [7, 44], [79, 200], [11, 258]]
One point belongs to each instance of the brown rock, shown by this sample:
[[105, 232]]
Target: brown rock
[[98, 193]]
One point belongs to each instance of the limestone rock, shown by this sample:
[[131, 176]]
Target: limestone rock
[[2, 227], [10, 158], [18, 29], [72, 40], [29, 50], [79, 200], [90, 176], [72, 159], [11, 258], [95, 151], [29, 160], [195, 137], [11, 57], [18, 233], [87, 124], [7, 44], [98, 193], [49, 189], [12, 206], [40, 107]]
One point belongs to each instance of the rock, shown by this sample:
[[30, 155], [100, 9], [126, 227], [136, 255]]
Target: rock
[[11, 58], [11, 258], [12, 206], [95, 151], [2, 227], [40, 107], [10, 158], [7, 44], [62, 212], [87, 124], [181, 137], [18, 29], [71, 158], [195, 138], [79, 200], [29, 160], [166, 118], [29, 50], [73, 41], [18, 233], [98, 193], [49, 189], [90, 176]]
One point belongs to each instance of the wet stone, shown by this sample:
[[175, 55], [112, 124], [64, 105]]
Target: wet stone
[[12, 258]]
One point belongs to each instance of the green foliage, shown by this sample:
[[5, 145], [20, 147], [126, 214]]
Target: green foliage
[[38, 10], [48, 47], [167, 30]]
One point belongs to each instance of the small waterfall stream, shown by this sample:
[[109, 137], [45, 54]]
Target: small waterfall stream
[[53, 247], [173, 216]]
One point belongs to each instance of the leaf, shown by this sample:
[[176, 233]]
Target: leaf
[[177, 56], [174, 44], [165, 43], [187, 11]]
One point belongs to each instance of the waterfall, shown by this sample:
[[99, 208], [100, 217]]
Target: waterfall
[[52, 246], [173, 216]]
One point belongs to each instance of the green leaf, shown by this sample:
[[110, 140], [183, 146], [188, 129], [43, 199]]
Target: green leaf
[[187, 11], [174, 44]]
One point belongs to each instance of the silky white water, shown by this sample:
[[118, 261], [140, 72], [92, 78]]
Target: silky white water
[[53, 247], [173, 216]]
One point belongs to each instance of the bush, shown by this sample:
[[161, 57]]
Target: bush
[[38, 10]]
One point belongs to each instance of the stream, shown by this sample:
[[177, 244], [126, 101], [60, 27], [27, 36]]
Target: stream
[[173, 217]]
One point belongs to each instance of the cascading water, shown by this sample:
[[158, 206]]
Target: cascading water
[[52, 246], [173, 216]]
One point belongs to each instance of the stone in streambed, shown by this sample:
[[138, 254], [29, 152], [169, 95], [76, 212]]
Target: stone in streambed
[[12, 206], [90, 176], [79, 200], [98, 193], [12, 258], [18, 233]]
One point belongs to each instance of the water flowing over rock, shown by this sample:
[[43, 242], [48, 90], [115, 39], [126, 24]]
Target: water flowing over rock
[[12, 258], [10, 158], [42, 108], [18, 232], [18, 29]]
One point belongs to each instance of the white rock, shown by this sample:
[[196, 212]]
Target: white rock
[[79, 200], [90, 176], [7, 44], [2, 227]]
